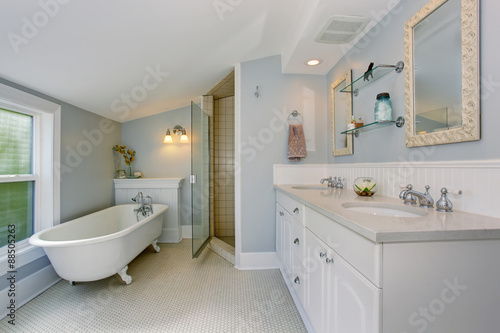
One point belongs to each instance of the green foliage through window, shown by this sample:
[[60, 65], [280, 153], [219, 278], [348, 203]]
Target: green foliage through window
[[16, 207], [16, 198], [15, 143]]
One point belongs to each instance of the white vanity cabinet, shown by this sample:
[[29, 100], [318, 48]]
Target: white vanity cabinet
[[436, 279], [335, 296]]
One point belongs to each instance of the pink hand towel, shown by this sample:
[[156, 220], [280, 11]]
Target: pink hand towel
[[296, 143]]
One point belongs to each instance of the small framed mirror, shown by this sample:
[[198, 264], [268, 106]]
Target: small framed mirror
[[341, 116], [442, 77]]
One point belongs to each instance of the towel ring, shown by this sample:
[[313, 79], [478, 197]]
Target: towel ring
[[295, 116]]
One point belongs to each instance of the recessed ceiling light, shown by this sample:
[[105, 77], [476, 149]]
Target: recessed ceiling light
[[313, 62]]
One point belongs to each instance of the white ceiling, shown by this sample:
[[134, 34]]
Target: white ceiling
[[99, 55]]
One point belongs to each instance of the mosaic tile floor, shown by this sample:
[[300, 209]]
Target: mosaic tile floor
[[170, 292]]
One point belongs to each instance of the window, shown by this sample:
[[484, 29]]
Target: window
[[29, 173], [16, 197]]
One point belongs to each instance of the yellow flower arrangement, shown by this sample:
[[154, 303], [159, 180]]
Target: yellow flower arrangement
[[128, 155]]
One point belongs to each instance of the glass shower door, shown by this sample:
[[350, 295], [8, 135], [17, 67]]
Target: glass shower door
[[200, 185]]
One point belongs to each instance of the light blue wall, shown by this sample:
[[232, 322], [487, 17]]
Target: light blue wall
[[156, 159], [264, 136], [87, 162], [385, 45]]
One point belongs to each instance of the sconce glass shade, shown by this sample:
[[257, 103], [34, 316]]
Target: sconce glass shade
[[184, 137], [168, 137]]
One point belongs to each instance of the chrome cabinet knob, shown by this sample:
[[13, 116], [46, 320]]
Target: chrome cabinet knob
[[297, 280], [296, 241], [296, 210], [329, 261], [322, 254], [281, 214]]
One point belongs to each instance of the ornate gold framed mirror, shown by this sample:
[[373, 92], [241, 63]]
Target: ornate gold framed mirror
[[442, 78], [341, 116]]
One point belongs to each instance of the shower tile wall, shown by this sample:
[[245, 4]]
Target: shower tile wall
[[223, 143]]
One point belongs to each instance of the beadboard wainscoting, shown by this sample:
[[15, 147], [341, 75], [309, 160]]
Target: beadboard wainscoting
[[479, 180], [164, 191]]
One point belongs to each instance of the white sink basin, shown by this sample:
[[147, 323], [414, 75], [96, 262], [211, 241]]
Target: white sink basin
[[384, 209], [310, 187]]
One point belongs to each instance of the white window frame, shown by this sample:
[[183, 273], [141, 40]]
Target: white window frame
[[46, 167]]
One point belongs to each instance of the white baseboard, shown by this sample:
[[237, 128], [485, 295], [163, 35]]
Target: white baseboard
[[257, 260], [171, 235], [28, 288], [187, 231]]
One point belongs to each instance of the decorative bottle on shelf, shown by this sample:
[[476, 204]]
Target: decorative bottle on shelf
[[352, 124], [383, 107], [359, 123]]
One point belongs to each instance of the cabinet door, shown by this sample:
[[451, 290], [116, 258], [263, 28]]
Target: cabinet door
[[353, 302], [284, 240], [280, 216], [287, 244], [316, 276]]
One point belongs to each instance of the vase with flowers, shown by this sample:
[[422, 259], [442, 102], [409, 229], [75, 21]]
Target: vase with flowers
[[128, 156]]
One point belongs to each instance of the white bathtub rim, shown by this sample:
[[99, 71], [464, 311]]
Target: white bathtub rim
[[36, 241]]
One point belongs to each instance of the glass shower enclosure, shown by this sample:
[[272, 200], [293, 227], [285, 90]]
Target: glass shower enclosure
[[200, 181]]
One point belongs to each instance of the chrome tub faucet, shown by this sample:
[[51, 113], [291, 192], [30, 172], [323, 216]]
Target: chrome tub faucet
[[145, 205]]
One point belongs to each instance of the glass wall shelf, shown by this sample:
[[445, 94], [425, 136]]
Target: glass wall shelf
[[372, 76], [400, 121]]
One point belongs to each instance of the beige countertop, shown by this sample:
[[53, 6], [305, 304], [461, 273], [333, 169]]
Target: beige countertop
[[435, 226]]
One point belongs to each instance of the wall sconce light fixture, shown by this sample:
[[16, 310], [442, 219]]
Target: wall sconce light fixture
[[179, 130]]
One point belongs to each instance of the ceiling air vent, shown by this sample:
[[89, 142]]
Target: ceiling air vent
[[341, 29]]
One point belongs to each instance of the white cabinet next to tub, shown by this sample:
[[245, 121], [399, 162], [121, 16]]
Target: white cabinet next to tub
[[164, 191]]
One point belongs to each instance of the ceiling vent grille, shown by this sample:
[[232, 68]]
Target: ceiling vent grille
[[341, 29]]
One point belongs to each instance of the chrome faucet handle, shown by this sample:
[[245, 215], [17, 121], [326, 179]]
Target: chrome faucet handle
[[428, 198], [339, 183], [139, 198], [405, 189], [444, 203], [409, 199]]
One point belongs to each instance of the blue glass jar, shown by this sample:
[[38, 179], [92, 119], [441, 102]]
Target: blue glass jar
[[383, 107]]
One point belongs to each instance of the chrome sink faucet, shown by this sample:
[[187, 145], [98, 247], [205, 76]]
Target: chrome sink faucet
[[409, 196], [330, 181], [335, 182]]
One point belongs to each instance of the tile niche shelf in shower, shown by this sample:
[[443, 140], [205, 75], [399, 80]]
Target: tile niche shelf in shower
[[372, 76]]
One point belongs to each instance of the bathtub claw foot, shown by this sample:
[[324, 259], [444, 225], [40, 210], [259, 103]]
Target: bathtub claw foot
[[125, 277], [155, 246], [72, 283]]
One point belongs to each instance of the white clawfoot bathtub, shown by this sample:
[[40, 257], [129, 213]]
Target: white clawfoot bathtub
[[101, 244]]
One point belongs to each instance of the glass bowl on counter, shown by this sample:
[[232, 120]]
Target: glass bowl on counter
[[365, 186]]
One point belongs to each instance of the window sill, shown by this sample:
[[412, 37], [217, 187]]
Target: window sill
[[25, 253]]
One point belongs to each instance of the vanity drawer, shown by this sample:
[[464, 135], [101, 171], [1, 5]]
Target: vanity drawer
[[361, 253], [295, 208]]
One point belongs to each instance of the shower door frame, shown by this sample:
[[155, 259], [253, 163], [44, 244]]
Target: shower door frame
[[200, 180]]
